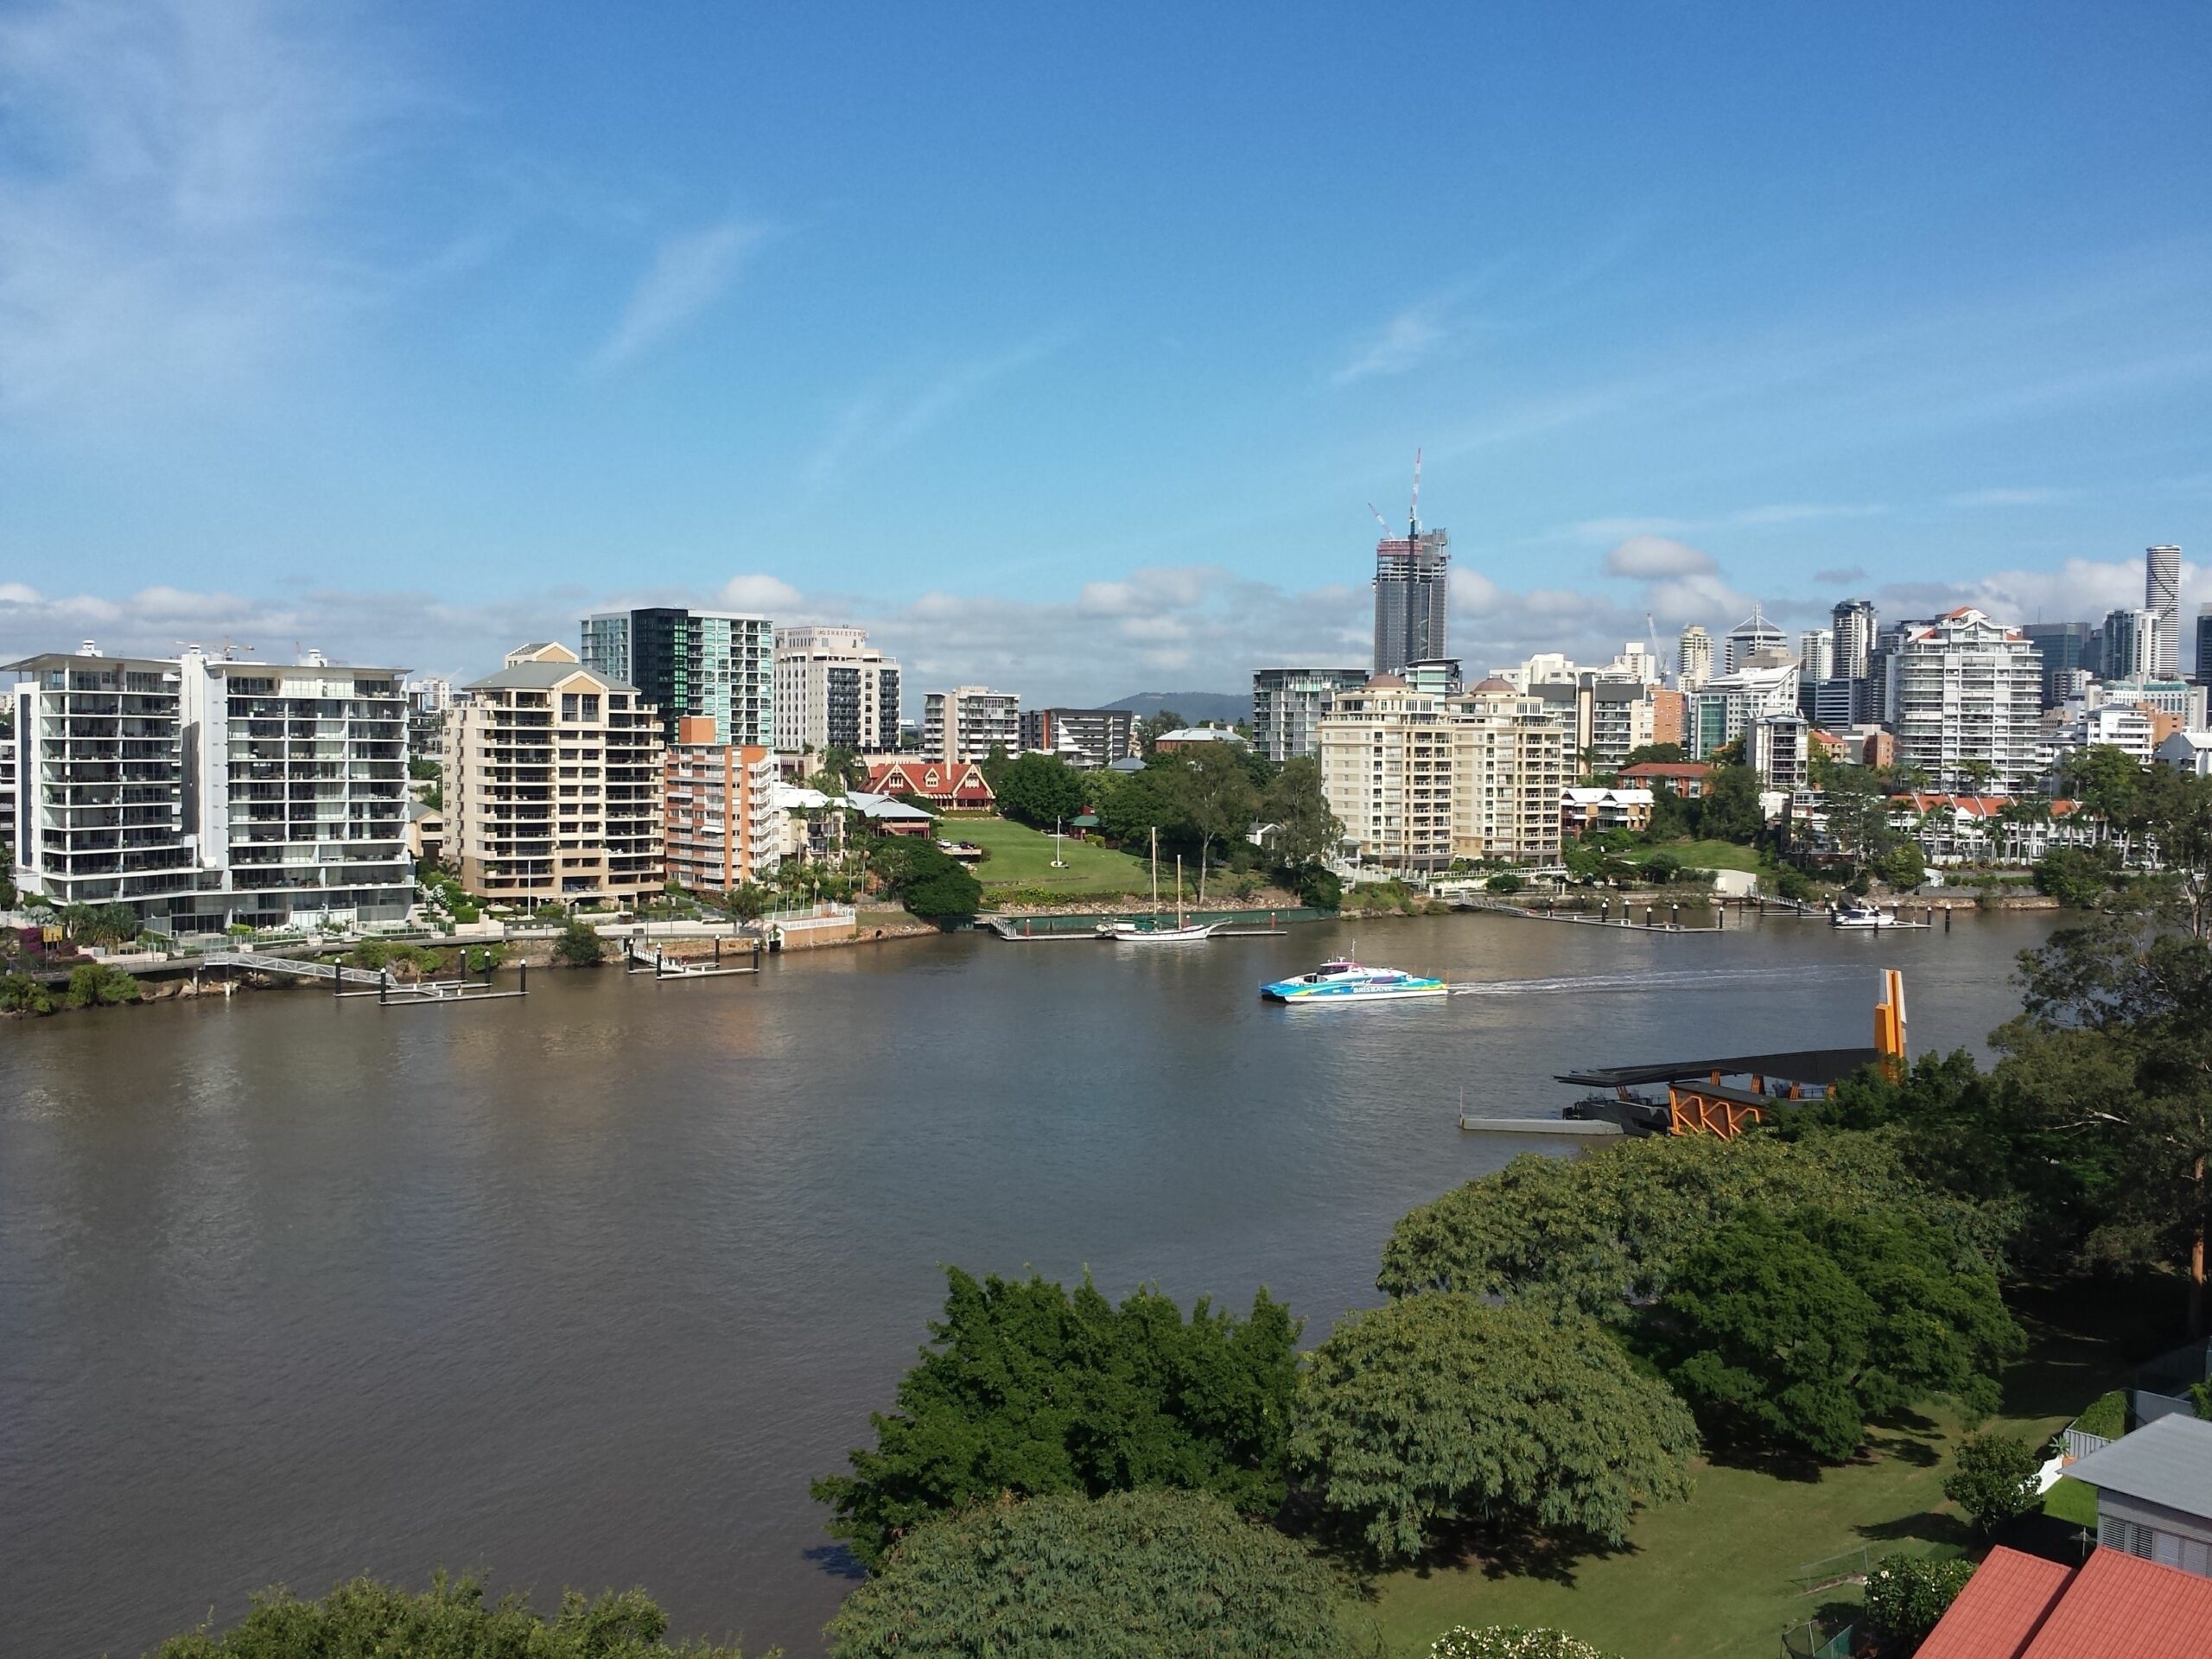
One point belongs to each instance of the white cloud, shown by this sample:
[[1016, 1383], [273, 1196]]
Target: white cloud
[[1798, 512], [2032, 496], [1644, 556], [1407, 341], [169, 218], [761, 595], [688, 275], [2079, 590], [881, 419]]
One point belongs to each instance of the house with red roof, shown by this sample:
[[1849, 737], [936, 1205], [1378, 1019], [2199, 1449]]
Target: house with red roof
[[943, 784], [2114, 1605], [1685, 778]]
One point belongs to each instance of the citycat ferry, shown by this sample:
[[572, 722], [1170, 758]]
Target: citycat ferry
[[1344, 981]]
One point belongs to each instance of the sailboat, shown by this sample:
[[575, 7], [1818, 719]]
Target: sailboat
[[1152, 930]]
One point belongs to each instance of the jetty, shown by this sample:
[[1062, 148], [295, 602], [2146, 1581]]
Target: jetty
[[663, 967]]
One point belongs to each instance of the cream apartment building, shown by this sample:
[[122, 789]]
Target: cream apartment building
[[553, 780]]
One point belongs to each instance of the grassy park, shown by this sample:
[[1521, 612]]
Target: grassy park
[[1712, 1577], [1702, 854], [1020, 857]]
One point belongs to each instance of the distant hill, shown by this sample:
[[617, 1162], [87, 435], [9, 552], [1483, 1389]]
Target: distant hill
[[1226, 708]]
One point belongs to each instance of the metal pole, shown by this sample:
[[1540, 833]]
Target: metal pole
[[521, 985]]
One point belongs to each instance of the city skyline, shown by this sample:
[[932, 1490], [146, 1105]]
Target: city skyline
[[388, 355]]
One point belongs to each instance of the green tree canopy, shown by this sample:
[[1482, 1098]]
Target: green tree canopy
[[579, 945], [1789, 1332], [1029, 1388], [1607, 1231], [450, 1620], [1132, 1575], [1995, 1481], [1145, 801], [1671, 753], [1219, 799], [1446, 1407], [1729, 809], [1039, 789], [1305, 828]]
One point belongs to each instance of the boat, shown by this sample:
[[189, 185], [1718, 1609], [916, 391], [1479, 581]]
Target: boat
[[1345, 981], [1857, 913], [1152, 929]]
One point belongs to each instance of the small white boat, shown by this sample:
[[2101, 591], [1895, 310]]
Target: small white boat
[[1344, 981], [1153, 929], [1859, 914]]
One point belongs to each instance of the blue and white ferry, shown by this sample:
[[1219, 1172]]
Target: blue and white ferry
[[1344, 981]]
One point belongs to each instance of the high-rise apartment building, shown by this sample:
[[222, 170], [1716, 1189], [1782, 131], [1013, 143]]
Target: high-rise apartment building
[[1965, 693], [716, 666], [1696, 659], [968, 722], [2205, 644], [1853, 625], [2162, 593], [1754, 636], [1412, 585], [835, 691], [2061, 650], [208, 793], [1089, 737], [8, 828], [554, 784], [1722, 709], [1606, 720], [2133, 646], [1287, 704], [1816, 655], [1418, 779], [720, 822]]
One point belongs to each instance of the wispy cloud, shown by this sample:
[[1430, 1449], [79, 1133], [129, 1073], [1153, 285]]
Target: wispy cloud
[[689, 273], [2033, 497], [1798, 512], [170, 210], [1841, 575], [1405, 342], [886, 418]]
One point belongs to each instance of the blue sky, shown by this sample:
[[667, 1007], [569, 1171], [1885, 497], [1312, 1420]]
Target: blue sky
[[1064, 349]]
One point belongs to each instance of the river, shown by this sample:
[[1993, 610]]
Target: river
[[584, 1287]]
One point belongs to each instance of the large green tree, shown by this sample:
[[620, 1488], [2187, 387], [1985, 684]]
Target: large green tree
[[1729, 809], [1219, 799], [1145, 801], [1132, 1575], [1606, 1231], [1030, 1388], [1040, 790], [1790, 1331], [1305, 828], [452, 1619], [1447, 1408]]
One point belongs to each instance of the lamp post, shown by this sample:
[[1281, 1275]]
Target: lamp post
[[1059, 864]]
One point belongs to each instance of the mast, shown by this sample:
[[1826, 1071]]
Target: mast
[[1179, 893], [1155, 873]]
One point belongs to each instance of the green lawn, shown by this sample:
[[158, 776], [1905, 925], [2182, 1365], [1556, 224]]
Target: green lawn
[[1710, 1577], [1021, 857], [1702, 855]]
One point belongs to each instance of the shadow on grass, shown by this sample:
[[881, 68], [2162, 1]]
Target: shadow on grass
[[1502, 1550], [1928, 1527]]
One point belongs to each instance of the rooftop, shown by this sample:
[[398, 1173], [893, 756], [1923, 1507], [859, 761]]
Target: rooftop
[[2003, 1605], [2168, 1463], [2018, 1606]]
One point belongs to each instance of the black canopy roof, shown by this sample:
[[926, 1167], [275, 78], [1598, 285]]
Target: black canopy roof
[[1821, 1066]]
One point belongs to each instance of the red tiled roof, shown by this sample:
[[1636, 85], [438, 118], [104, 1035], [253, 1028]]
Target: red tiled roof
[[2120, 1604], [932, 780], [1999, 1612]]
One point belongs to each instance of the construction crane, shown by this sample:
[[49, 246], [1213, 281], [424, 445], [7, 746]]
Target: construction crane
[[1413, 513], [1379, 518]]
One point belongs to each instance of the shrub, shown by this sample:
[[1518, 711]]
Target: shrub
[[1906, 1595], [1161, 1574], [1793, 886], [1510, 1642], [2106, 1415], [1995, 1481], [371, 954], [579, 945], [91, 983], [1318, 887], [20, 994], [1506, 881]]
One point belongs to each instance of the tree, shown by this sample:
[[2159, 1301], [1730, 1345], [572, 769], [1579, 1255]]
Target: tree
[[2114, 1052], [1504, 882], [2081, 877], [1729, 809], [1145, 801], [93, 984], [1133, 1575], [9, 896], [579, 945], [1305, 829], [841, 769], [1606, 1232], [1040, 790], [1442, 1409], [1995, 1481], [1857, 814], [1031, 1388], [1906, 1594], [423, 769], [949, 894], [1670, 813], [1904, 867], [1789, 1332], [1153, 727], [1218, 798], [1646, 753], [993, 764], [451, 1619]]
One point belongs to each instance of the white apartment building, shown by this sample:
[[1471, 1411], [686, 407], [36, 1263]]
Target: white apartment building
[[2185, 702], [9, 834], [1418, 780], [1777, 748], [1724, 709], [835, 691], [2189, 752], [2119, 725], [1816, 655], [1964, 689], [208, 792], [553, 783], [2132, 645], [963, 724], [1695, 658]]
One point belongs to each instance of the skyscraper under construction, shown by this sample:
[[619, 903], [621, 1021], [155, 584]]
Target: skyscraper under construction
[[1411, 588]]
